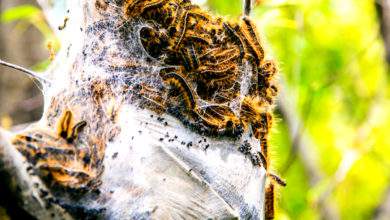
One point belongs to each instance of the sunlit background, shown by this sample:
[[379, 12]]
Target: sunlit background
[[331, 136]]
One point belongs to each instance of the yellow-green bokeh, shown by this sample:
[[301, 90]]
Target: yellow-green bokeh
[[331, 56]]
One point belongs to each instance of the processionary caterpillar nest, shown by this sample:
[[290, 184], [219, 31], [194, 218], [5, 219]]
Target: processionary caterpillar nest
[[171, 60]]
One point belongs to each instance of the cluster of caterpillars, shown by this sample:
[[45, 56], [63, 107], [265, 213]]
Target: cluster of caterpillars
[[62, 158], [205, 58], [56, 158]]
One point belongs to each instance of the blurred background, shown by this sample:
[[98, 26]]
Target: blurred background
[[331, 136]]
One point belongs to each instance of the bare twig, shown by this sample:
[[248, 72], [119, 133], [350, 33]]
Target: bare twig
[[26, 71]]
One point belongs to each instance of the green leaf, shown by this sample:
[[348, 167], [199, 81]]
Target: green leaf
[[23, 12]]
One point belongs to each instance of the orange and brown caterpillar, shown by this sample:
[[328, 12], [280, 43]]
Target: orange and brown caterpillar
[[55, 156]]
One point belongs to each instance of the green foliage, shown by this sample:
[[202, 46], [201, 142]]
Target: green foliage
[[332, 59], [23, 12], [225, 8], [26, 14]]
